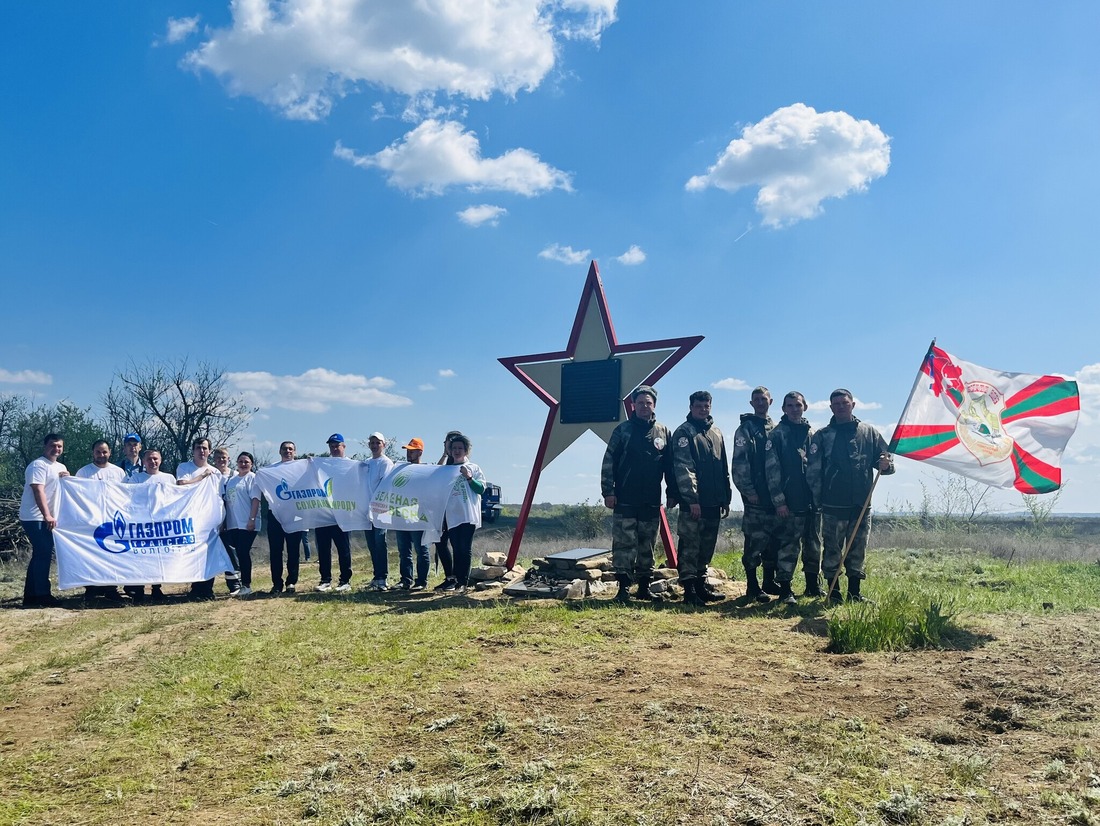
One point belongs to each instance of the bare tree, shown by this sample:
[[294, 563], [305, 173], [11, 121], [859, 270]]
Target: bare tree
[[170, 405]]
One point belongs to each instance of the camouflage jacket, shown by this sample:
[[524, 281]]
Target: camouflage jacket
[[785, 465], [701, 467], [638, 456], [750, 444], [839, 480]]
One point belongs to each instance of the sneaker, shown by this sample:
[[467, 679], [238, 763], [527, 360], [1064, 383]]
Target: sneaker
[[449, 584], [343, 587], [324, 586], [417, 586], [244, 591], [291, 589], [276, 590], [378, 585], [406, 585]]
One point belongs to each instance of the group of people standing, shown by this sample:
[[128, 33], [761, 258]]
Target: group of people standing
[[801, 490], [242, 497]]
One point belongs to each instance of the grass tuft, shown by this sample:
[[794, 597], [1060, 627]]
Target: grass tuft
[[896, 623]]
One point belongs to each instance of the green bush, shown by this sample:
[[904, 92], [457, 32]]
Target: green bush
[[896, 623]]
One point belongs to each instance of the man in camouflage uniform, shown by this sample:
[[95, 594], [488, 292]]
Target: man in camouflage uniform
[[799, 524], [843, 457], [638, 456], [704, 493], [759, 524]]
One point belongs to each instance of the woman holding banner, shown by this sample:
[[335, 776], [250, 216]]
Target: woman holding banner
[[242, 509], [462, 518]]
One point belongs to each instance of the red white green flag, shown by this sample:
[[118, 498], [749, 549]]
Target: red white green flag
[[1007, 430]]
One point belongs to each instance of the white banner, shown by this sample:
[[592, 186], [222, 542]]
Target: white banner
[[414, 498], [313, 493], [109, 533]]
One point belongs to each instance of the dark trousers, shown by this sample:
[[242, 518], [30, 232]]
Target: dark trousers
[[37, 584], [379, 553], [276, 539], [458, 557], [326, 536], [238, 542], [408, 544]]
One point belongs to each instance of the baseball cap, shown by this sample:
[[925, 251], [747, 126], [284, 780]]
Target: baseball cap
[[335, 437], [376, 435], [131, 437], [414, 444]]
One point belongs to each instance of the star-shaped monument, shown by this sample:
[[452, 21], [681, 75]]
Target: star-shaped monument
[[591, 341]]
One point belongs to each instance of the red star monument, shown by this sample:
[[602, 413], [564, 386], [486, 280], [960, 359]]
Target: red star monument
[[591, 340]]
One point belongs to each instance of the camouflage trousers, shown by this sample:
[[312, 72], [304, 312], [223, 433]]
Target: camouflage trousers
[[763, 535], [633, 537], [799, 532], [696, 539], [835, 529]]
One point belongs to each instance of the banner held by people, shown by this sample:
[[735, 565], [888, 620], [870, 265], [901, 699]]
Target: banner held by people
[[315, 492], [414, 498], [1007, 430], [110, 533]]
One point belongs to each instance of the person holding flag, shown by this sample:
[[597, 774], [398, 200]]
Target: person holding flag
[[840, 471]]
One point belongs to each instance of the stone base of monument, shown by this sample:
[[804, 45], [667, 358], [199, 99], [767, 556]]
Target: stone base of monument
[[492, 574]]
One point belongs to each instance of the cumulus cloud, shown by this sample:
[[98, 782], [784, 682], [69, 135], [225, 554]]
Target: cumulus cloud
[[632, 256], [860, 405], [446, 373], [798, 158], [25, 377], [475, 216], [314, 391], [300, 56], [439, 154], [180, 28], [426, 387], [731, 384], [565, 255], [1082, 448]]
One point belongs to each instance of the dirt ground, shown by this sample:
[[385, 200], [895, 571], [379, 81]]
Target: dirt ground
[[1022, 692]]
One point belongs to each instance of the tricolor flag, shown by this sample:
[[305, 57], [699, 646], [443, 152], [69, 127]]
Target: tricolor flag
[[1007, 430]]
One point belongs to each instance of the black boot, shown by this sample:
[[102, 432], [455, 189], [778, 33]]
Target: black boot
[[769, 585], [834, 596], [623, 595], [706, 592], [643, 588], [785, 594], [691, 592], [813, 585], [752, 589], [853, 591]]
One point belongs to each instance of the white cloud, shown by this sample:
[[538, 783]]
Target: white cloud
[[446, 373], [439, 154], [798, 158], [426, 387], [730, 384], [300, 56], [824, 405], [314, 391], [566, 255], [632, 256], [475, 216], [180, 28], [25, 377]]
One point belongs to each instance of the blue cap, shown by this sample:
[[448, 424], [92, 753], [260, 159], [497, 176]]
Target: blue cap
[[336, 437], [131, 437]]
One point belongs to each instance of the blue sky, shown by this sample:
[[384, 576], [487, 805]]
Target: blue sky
[[357, 207]]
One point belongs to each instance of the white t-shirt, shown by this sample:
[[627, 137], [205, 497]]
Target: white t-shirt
[[239, 493], [144, 478], [189, 470], [45, 472], [463, 505], [112, 473]]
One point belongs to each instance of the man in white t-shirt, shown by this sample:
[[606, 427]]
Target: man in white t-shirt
[[378, 465], [152, 475], [198, 471], [101, 468], [38, 515]]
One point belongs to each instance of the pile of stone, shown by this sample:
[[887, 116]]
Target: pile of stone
[[492, 573]]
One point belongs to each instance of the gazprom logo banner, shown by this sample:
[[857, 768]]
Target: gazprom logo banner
[[313, 493], [414, 498], [109, 533]]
